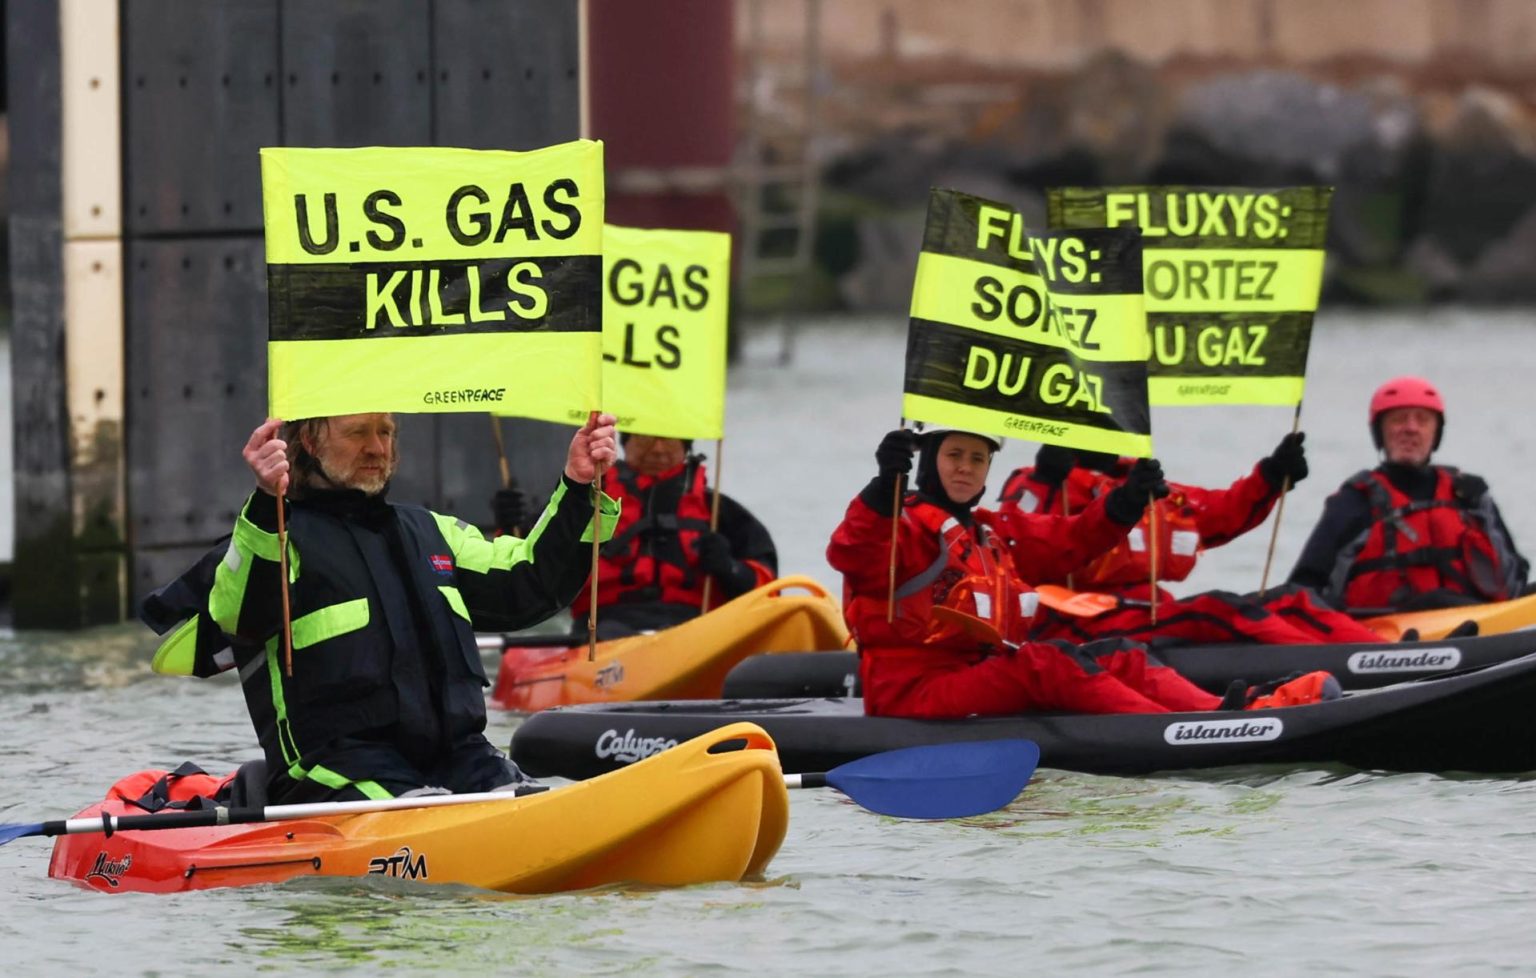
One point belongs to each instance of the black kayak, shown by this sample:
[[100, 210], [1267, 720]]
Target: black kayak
[[1359, 665], [1480, 721]]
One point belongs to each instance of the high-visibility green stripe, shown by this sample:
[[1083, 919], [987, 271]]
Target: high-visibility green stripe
[[331, 779], [280, 703], [233, 573], [252, 539], [177, 655], [317, 626], [608, 512], [455, 601], [329, 622], [229, 581], [474, 553]]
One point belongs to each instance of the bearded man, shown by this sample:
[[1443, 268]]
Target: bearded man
[[384, 694]]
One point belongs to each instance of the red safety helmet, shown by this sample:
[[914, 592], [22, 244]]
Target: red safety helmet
[[1400, 392]]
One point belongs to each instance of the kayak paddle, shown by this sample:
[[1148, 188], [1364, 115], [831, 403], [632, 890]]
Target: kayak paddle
[[242, 816], [500, 642], [935, 780], [932, 781]]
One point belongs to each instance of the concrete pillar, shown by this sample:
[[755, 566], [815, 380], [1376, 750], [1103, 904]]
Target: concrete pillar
[[67, 352]]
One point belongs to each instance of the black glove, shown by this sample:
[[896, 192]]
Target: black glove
[[1128, 500], [734, 576], [1469, 488], [1053, 464], [1288, 461], [511, 509], [894, 455], [715, 553]]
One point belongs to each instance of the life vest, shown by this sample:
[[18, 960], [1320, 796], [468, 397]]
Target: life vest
[[1128, 562], [653, 554], [382, 641], [1414, 547], [970, 575], [189, 786]]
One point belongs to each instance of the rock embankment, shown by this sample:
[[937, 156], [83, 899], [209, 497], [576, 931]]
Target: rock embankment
[[1435, 170]]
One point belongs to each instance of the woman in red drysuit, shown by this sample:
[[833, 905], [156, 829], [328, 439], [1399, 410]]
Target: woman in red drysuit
[[954, 644]]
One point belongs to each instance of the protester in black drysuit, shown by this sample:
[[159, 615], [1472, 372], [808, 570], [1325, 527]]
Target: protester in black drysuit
[[386, 694]]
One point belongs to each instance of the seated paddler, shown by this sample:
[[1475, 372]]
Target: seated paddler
[[956, 642], [1189, 520], [384, 694], [651, 574], [1411, 534]]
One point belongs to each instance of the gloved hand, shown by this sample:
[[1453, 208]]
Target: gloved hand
[[1128, 500], [734, 576], [1053, 464], [894, 456], [715, 553], [1288, 461], [511, 509], [1469, 488]]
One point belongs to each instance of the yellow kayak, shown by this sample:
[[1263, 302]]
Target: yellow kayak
[[1494, 618], [687, 661], [680, 816]]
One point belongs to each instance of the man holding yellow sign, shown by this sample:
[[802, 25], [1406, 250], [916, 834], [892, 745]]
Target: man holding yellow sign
[[412, 280]]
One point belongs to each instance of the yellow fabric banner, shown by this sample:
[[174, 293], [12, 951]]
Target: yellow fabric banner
[[1037, 336], [1232, 280], [666, 302], [431, 279]]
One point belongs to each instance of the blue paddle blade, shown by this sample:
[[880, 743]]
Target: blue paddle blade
[[939, 780], [9, 833]]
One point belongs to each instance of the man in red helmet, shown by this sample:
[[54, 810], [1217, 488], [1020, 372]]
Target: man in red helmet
[[1407, 534]]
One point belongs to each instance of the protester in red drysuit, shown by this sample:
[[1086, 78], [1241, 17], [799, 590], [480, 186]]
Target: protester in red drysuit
[[955, 645], [651, 574], [1190, 520]]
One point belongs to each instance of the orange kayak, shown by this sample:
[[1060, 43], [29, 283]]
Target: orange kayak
[[680, 816], [687, 661]]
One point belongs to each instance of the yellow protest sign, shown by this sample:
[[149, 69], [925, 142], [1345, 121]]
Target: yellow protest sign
[[1232, 280], [1038, 336], [433, 279], [666, 302]]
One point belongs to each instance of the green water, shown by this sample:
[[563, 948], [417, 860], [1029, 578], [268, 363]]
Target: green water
[[1255, 871]]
